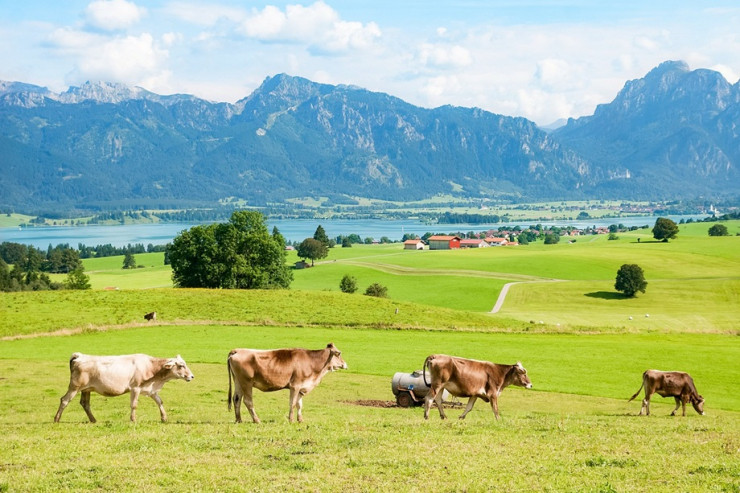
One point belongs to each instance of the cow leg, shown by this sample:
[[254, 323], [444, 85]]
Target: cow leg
[[494, 405], [249, 403], [300, 408], [678, 403], [237, 401], [469, 407], [159, 402], [64, 401], [428, 403], [438, 401], [134, 403], [645, 406], [85, 403], [294, 397]]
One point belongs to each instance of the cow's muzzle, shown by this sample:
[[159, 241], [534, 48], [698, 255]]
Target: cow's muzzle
[[529, 386]]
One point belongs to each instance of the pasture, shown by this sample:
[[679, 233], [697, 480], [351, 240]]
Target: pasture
[[574, 431]]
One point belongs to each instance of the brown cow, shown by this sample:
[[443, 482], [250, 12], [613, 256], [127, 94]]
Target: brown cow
[[470, 378], [299, 370], [676, 384], [115, 375]]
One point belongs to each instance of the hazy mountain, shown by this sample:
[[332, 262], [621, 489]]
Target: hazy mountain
[[673, 133]]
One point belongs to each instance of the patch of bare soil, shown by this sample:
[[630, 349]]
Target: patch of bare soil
[[372, 403]]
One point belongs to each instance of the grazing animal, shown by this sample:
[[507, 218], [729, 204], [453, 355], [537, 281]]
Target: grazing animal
[[299, 370], [116, 375], [469, 378], [676, 384], [150, 316]]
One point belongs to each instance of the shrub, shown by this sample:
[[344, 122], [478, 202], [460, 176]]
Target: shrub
[[718, 230], [348, 284], [377, 290]]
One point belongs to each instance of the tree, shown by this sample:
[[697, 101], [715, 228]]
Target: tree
[[377, 290], [77, 279], [239, 254], [129, 262], [348, 284], [320, 235], [346, 242], [664, 229], [313, 249], [630, 280], [719, 230], [552, 238]]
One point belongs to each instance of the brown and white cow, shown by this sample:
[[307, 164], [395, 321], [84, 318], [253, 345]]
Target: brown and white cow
[[116, 375], [470, 378], [676, 384], [299, 370]]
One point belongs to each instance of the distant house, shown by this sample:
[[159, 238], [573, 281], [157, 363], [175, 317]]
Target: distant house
[[413, 245], [493, 241], [473, 243], [443, 242]]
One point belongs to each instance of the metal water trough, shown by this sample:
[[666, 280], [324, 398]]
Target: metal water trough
[[410, 389]]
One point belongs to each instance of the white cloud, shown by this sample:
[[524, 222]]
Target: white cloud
[[444, 56], [113, 15], [128, 59], [317, 25], [204, 15]]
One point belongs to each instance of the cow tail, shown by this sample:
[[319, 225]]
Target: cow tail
[[228, 365], [638, 390], [72, 360], [427, 364]]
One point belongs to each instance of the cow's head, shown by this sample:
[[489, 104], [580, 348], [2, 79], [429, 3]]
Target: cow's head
[[178, 368], [520, 376], [335, 358], [698, 402]]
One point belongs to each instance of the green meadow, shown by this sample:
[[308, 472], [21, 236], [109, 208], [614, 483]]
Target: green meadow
[[585, 347]]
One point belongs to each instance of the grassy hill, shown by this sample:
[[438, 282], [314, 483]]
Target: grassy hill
[[574, 431]]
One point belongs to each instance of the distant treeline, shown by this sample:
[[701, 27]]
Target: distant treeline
[[109, 250], [466, 218]]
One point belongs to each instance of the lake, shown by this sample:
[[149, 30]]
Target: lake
[[291, 229]]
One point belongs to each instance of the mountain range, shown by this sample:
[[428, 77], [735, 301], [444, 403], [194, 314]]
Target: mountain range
[[672, 134]]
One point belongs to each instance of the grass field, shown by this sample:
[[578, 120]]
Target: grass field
[[574, 431]]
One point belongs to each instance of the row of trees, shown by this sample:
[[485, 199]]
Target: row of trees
[[31, 267]]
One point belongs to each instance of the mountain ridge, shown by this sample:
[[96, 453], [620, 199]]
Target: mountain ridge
[[670, 134]]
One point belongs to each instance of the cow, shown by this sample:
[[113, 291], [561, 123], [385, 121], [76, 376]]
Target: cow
[[116, 375], [469, 378], [676, 384], [150, 316], [299, 370]]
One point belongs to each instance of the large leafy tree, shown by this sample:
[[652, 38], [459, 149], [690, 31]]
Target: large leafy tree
[[718, 230], [313, 249], [630, 280], [240, 254], [664, 229]]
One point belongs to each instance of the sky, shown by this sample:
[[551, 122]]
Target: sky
[[544, 60]]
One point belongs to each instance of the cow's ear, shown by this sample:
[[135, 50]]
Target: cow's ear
[[169, 364], [330, 345]]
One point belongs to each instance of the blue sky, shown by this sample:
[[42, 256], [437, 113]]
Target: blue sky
[[540, 59]]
